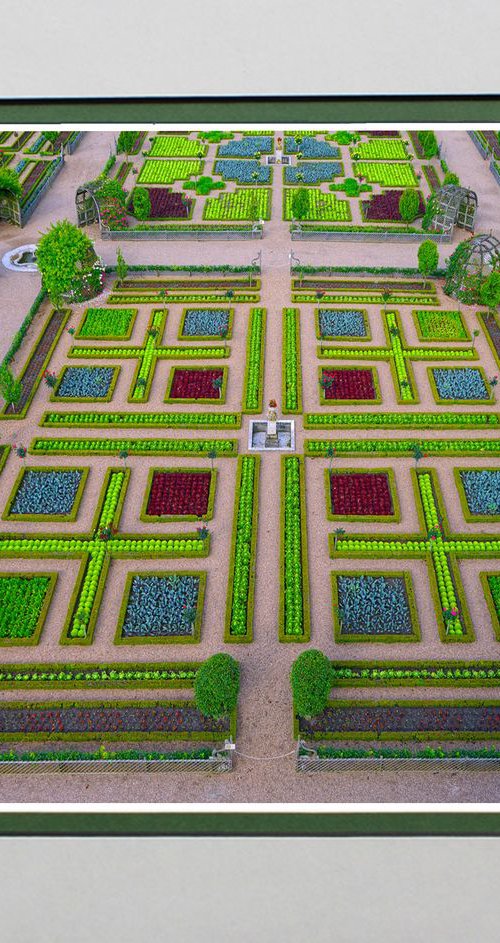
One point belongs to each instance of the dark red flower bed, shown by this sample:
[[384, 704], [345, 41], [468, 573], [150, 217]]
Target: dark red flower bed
[[385, 206], [33, 372], [361, 494], [403, 719], [34, 175], [195, 384], [168, 205], [350, 384], [94, 718], [179, 493]]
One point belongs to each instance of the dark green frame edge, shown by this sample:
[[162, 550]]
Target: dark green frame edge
[[302, 109], [249, 824]]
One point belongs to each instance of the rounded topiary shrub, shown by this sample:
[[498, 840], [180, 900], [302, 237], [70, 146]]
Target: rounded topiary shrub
[[217, 686], [311, 679], [69, 265]]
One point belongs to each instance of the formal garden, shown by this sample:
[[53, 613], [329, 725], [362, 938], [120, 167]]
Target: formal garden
[[295, 470]]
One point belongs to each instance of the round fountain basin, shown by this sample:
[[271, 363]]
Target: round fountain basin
[[22, 259]]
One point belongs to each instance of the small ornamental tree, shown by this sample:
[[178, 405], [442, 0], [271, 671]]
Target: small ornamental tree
[[10, 388], [10, 186], [451, 178], [126, 141], [300, 203], [51, 137], [428, 258], [428, 143], [409, 203], [489, 292], [217, 685], [68, 264], [121, 266], [311, 678], [142, 203]]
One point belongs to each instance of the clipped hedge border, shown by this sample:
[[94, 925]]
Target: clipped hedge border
[[467, 513], [186, 639], [204, 337], [291, 379], [306, 628], [342, 637], [379, 678], [360, 339], [423, 420], [393, 518], [459, 402], [401, 734], [114, 736], [54, 398], [248, 636], [160, 518], [79, 335], [482, 318], [401, 448], [220, 400], [255, 315], [22, 331], [27, 676], [34, 638], [66, 313], [227, 448], [130, 420], [350, 402], [490, 602], [36, 518]]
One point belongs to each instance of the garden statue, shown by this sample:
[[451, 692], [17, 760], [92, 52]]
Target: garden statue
[[278, 151]]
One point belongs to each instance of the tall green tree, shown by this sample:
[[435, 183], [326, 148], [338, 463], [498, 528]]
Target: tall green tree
[[409, 203], [10, 185], [121, 266], [10, 388], [64, 254], [300, 203], [126, 141], [489, 292], [311, 678], [217, 685], [428, 259]]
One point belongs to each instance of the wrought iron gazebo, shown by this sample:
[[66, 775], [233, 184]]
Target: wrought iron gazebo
[[87, 206], [470, 263], [452, 206]]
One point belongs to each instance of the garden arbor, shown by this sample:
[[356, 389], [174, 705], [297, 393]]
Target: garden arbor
[[87, 206], [472, 261], [452, 206]]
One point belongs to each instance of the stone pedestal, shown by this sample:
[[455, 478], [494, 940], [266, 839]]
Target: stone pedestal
[[271, 435]]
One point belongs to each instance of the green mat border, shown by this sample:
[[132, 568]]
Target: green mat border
[[303, 109], [250, 824], [204, 111]]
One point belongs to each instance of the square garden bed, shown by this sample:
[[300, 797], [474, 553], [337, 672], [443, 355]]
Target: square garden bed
[[76, 384], [24, 602], [46, 494], [349, 385], [161, 607], [206, 323], [337, 324], [361, 495], [197, 385], [374, 607], [440, 326], [491, 586], [107, 324], [459, 385], [179, 494], [479, 492]]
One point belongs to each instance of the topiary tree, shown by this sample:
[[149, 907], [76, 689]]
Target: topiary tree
[[409, 203], [489, 292], [311, 678], [10, 388], [300, 203], [126, 141], [450, 178], [428, 258], [10, 187], [68, 264], [428, 143], [217, 685], [51, 137], [142, 203], [121, 266]]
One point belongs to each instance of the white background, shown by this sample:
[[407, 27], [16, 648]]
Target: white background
[[101, 48]]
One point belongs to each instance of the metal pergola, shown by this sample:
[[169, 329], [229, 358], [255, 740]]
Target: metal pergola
[[453, 206], [471, 262]]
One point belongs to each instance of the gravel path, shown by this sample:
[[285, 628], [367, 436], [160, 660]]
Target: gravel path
[[265, 712]]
